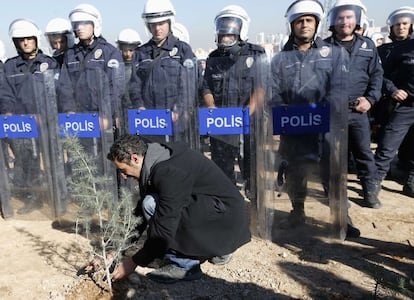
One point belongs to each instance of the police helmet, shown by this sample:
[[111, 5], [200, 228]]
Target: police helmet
[[21, 28], [301, 8], [129, 36], [393, 18], [60, 26], [156, 11], [181, 32], [355, 5], [232, 19], [87, 12]]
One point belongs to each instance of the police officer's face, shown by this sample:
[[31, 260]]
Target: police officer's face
[[227, 40], [127, 53], [159, 30], [401, 28], [131, 169], [345, 23], [58, 42], [304, 28], [83, 30], [27, 44], [127, 50]]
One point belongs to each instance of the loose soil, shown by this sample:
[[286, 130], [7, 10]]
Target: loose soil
[[40, 260]]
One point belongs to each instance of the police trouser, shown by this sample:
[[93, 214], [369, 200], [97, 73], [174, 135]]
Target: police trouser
[[391, 138], [27, 161], [224, 155], [406, 148], [359, 140], [297, 176]]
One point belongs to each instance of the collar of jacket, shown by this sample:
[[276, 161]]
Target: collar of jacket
[[169, 43], [155, 154], [21, 61]]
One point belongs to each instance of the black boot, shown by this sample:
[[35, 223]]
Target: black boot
[[408, 188], [296, 217], [371, 189]]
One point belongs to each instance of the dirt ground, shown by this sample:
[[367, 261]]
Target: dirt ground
[[40, 260]]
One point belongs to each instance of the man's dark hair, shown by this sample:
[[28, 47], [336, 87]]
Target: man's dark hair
[[125, 146]]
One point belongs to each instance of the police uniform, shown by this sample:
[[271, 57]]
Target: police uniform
[[231, 76], [78, 82], [22, 93], [304, 77], [399, 74], [92, 77], [157, 79], [364, 79]]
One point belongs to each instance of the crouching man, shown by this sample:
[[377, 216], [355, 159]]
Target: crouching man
[[194, 212]]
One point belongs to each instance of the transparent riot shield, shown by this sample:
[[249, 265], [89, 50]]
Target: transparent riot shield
[[27, 155], [169, 111], [5, 197], [302, 147], [93, 126], [232, 91], [54, 144]]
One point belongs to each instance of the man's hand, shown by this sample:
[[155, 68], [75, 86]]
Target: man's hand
[[126, 267], [399, 95], [363, 106]]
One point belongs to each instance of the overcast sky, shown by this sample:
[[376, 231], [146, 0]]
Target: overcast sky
[[267, 16]]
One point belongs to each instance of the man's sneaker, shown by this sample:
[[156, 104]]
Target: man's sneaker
[[296, 218], [172, 273], [221, 260], [352, 232]]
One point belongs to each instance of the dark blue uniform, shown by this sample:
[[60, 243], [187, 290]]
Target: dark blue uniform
[[23, 93], [159, 81], [18, 95], [156, 79], [78, 82], [305, 77], [398, 60], [232, 78], [92, 79], [364, 79]]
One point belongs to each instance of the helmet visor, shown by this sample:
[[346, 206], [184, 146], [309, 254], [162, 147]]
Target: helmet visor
[[127, 46], [228, 25], [337, 14], [77, 24], [401, 19]]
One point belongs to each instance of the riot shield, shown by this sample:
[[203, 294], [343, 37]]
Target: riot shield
[[94, 125], [5, 197], [170, 106], [232, 92], [30, 175], [302, 147]]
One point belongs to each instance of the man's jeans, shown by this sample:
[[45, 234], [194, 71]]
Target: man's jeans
[[148, 207]]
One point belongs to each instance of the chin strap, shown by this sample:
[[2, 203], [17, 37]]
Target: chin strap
[[233, 51]]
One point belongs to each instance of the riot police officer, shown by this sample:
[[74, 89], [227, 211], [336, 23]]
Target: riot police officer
[[307, 71], [60, 37], [399, 93], [91, 52], [19, 96], [157, 80], [231, 79], [127, 41], [365, 81]]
